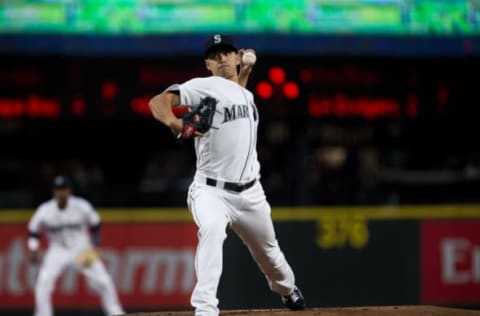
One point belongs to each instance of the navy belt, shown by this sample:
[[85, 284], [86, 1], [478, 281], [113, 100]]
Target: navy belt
[[231, 186]]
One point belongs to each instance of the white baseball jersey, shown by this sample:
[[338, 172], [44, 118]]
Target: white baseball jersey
[[227, 152], [67, 231], [67, 227]]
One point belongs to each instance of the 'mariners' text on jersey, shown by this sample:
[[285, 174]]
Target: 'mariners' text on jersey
[[236, 111]]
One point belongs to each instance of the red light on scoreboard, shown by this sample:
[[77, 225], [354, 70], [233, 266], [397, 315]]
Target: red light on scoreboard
[[341, 105], [291, 90], [33, 106], [264, 90], [140, 105], [277, 75], [109, 90], [78, 106], [412, 105]]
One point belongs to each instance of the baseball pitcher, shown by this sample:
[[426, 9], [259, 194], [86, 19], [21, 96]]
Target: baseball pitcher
[[226, 190], [67, 219]]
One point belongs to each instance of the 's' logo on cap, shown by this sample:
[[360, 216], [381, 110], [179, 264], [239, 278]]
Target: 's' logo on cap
[[217, 38]]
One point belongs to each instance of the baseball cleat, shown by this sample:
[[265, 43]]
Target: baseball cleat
[[295, 300]]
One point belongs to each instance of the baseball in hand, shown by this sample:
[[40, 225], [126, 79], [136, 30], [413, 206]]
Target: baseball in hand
[[249, 58]]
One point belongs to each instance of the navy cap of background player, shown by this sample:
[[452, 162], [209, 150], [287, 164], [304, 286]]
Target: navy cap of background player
[[219, 41], [61, 182]]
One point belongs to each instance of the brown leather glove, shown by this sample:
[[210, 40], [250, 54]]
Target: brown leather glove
[[86, 258]]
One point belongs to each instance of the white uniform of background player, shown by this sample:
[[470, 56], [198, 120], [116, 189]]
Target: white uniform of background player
[[67, 219], [226, 189]]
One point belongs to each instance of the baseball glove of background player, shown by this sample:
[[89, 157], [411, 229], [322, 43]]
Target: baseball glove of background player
[[200, 119], [86, 257]]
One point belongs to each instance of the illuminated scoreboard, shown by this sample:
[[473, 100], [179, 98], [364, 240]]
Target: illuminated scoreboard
[[51, 89], [108, 88]]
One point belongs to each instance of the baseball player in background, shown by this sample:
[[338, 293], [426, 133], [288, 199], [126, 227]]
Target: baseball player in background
[[226, 189], [72, 226]]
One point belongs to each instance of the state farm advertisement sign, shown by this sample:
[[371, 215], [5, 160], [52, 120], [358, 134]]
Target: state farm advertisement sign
[[152, 265], [450, 261]]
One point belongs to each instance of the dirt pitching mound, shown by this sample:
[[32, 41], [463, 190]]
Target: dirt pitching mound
[[340, 311]]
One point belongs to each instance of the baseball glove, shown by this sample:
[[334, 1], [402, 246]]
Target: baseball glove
[[86, 258], [200, 119]]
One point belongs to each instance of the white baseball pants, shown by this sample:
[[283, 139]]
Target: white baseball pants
[[248, 214], [54, 263]]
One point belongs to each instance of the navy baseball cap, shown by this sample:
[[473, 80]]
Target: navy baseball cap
[[61, 182], [219, 41]]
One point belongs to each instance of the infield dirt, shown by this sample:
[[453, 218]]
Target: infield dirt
[[420, 310]]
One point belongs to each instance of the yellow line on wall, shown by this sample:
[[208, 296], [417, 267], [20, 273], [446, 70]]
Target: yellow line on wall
[[411, 212]]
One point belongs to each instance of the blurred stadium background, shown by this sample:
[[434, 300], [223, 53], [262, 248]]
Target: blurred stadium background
[[368, 143]]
